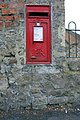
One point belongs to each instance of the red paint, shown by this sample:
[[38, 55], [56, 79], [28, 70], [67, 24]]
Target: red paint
[[38, 52]]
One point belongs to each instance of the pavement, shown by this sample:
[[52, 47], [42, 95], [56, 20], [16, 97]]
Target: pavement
[[46, 114]]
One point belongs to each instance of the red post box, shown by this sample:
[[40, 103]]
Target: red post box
[[38, 34]]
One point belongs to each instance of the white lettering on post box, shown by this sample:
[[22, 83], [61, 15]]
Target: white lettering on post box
[[38, 33]]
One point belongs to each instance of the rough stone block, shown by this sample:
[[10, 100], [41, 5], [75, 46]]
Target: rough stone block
[[3, 82], [39, 102], [1, 25], [2, 103], [4, 5], [6, 18], [57, 100], [7, 12], [74, 64]]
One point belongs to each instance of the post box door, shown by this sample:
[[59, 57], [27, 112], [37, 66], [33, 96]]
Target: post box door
[[38, 42]]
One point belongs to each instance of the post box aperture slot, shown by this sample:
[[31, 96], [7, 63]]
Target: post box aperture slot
[[38, 34], [34, 14]]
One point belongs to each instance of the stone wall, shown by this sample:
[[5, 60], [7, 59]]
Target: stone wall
[[33, 86]]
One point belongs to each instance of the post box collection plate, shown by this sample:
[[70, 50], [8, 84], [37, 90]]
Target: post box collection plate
[[38, 33], [38, 40]]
